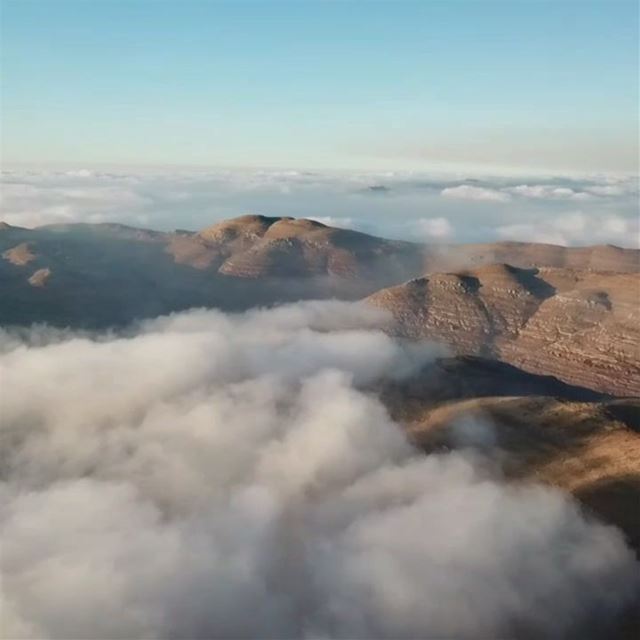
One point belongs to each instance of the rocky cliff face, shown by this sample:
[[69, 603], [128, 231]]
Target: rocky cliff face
[[580, 326]]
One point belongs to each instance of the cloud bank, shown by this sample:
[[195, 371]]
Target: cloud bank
[[216, 476], [577, 228], [469, 192], [388, 204]]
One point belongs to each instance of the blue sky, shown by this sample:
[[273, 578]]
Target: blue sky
[[366, 85]]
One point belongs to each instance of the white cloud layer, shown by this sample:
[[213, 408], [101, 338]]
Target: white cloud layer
[[469, 192], [577, 228], [397, 205], [549, 192], [215, 476]]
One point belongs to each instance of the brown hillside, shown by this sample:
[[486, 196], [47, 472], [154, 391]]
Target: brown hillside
[[580, 326]]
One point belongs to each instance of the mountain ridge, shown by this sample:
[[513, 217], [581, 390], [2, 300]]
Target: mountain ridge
[[547, 310], [580, 326]]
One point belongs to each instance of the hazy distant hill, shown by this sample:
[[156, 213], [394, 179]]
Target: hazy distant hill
[[533, 254]]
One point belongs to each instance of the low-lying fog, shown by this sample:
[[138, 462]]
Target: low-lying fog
[[218, 476]]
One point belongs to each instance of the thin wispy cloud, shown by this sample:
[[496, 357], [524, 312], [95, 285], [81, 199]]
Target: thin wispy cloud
[[434, 228]]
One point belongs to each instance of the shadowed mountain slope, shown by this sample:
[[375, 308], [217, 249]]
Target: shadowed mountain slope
[[108, 275], [580, 441]]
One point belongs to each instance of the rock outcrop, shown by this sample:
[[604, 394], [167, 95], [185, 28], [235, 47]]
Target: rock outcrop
[[39, 278], [19, 255]]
